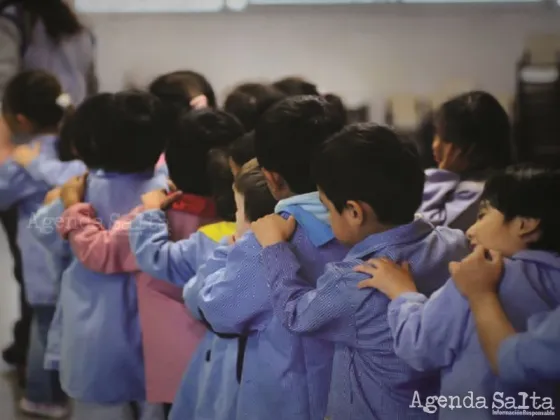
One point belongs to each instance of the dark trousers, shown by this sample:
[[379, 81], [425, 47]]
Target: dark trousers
[[22, 327]]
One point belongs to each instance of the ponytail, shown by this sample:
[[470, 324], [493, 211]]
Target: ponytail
[[59, 19]]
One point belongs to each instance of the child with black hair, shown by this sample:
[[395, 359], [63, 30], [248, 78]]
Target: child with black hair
[[34, 106], [372, 185], [201, 211], [217, 363], [180, 91], [296, 86], [241, 151], [119, 138], [519, 221], [249, 101], [472, 140], [235, 300]]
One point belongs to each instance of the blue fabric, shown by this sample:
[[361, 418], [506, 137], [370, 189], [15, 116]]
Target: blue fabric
[[101, 347], [284, 375], [209, 388], [531, 357], [310, 202], [369, 381], [450, 201], [439, 333], [158, 256], [18, 186], [43, 386], [319, 233]]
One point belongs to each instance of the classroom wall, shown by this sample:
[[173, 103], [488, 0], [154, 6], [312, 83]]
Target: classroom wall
[[362, 53]]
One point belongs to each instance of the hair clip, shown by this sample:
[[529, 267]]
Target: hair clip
[[199, 102], [64, 100]]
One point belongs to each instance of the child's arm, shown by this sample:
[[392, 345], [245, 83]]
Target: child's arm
[[525, 358], [43, 227], [427, 333], [158, 256], [531, 357], [100, 250], [53, 171]]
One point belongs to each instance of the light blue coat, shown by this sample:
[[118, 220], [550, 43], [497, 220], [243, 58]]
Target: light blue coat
[[27, 188], [101, 347]]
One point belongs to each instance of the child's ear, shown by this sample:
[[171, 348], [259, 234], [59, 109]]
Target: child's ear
[[355, 212], [24, 123], [528, 229]]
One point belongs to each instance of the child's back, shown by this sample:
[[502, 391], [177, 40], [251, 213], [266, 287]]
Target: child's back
[[101, 349]]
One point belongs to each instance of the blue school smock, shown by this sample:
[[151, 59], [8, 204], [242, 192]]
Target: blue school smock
[[532, 357], [449, 200], [439, 333], [27, 189], [101, 347], [285, 376], [59, 255], [210, 385], [369, 381]]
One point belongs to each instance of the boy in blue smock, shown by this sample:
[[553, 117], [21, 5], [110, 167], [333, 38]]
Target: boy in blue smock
[[284, 376], [34, 106], [371, 183], [519, 221]]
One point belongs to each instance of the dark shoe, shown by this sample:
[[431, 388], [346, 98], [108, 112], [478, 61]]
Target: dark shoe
[[13, 355]]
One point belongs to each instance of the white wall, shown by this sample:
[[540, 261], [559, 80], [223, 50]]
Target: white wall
[[362, 53]]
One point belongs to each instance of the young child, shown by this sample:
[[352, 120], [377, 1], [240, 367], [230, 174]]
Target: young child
[[241, 151], [34, 106], [217, 364], [119, 138], [519, 221], [472, 140], [521, 359], [372, 185], [203, 200], [284, 375], [249, 101]]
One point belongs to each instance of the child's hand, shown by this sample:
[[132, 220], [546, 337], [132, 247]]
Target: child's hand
[[73, 191], [476, 275], [25, 154], [159, 199], [273, 229], [388, 277], [53, 195]]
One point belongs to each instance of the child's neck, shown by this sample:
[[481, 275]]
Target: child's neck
[[46, 132]]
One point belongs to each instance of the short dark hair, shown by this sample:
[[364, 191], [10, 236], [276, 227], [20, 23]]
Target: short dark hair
[[478, 125], [33, 94], [58, 17], [338, 105], [220, 180], [370, 163], [188, 148], [121, 132], [251, 184], [242, 150], [288, 136], [296, 86], [528, 190], [249, 101], [177, 89]]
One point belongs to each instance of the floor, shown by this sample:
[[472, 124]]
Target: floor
[[8, 312]]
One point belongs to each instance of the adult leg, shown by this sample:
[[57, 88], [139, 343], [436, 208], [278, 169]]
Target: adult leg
[[16, 353]]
